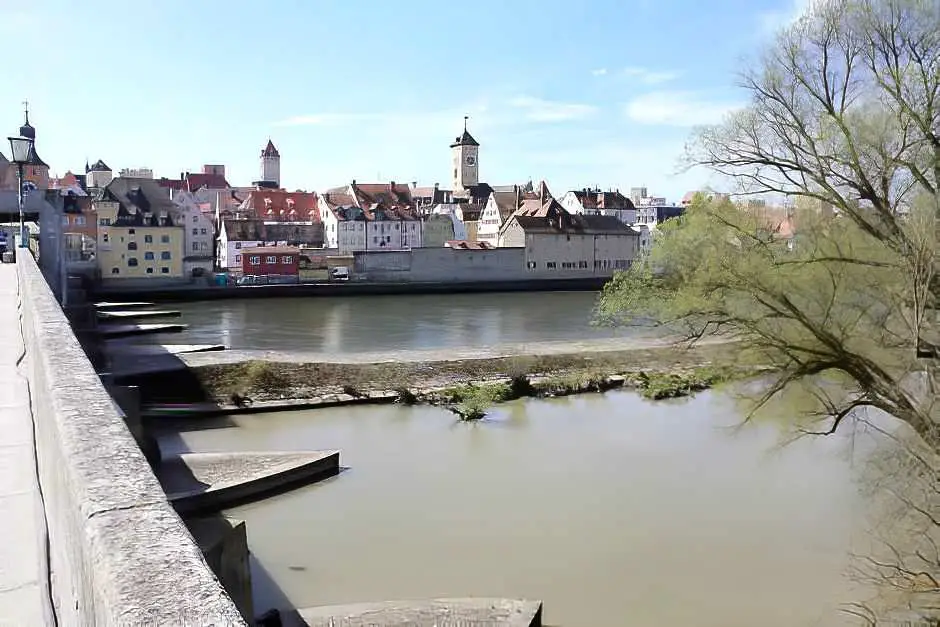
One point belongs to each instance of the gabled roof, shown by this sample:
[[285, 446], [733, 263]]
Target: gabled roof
[[141, 202], [506, 202], [198, 180], [565, 222], [99, 166]]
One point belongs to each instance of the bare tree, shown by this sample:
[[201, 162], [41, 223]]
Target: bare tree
[[844, 117]]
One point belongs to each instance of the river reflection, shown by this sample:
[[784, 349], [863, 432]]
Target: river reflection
[[612, 510], [370, 324]]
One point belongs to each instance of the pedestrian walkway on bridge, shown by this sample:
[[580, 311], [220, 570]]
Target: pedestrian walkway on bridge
[[24, 576]]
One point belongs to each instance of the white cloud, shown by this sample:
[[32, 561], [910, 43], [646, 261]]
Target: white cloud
[[678, 108], [537, 110], [772, 22], [650, 77], [601, 71]]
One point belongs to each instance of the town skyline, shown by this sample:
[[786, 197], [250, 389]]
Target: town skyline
[[570, 114]]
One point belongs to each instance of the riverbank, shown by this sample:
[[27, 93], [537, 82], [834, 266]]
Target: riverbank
[[470, 385]]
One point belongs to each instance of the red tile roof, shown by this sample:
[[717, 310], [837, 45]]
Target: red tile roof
[[273, 204]]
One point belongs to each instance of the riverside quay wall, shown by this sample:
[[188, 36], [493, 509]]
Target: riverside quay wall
[[118, 553]]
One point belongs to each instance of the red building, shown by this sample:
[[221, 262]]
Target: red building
[[282, 260]]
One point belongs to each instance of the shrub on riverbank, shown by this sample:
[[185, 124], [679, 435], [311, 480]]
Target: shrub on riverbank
[[661, 385]]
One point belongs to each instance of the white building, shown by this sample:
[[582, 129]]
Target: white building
[[597, 203], [198, 234], [137, 173], [349, 228], [98, 175], [498, 209]]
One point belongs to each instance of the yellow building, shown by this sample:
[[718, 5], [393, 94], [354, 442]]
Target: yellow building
[[137, 236]]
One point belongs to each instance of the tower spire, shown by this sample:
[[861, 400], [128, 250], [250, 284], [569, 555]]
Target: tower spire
[[465, 118], [26, 110]]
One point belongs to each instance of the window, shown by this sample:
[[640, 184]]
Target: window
[[195, 231], [165, 255], [164, 239], [105, 238], [131, 231], [148, 256], [530, 265], [195, 219], [287, 260], [271, 259], [148, 239], [80, 220], [164, 270], [132, 261], [238, 258], [149, 270], [203, 231], [65, 220], [254, 260], [196, 246], [550, 264], [132, 246], [104, 222], [238, 245], [115, 271]]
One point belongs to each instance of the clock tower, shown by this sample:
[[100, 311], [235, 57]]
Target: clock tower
[[465, 151]]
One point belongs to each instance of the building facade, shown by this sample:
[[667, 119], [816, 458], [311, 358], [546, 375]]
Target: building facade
[[238, 235], [198, 234], [565, 244], [137, 237], [370, 216], [438, 229], [278, 260]]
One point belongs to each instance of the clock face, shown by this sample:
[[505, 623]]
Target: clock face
[[471, 160]]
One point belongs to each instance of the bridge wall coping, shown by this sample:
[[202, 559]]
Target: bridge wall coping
[[119, 553]]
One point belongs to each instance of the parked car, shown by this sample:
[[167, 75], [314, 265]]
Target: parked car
[[340, 273]]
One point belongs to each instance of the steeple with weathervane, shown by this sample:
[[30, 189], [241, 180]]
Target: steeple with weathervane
[[35, 171], [465, 151]]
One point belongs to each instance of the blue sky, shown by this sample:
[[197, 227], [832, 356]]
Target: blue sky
[[597, 92]]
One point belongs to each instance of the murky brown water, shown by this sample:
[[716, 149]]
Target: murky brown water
[[385, 323], [612, 510]]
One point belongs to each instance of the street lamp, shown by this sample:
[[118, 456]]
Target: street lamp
[[20, 147]]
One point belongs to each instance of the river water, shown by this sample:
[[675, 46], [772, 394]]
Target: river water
[[613, 510], [380, 323]]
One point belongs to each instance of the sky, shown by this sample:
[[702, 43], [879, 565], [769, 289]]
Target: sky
[[599, 93]]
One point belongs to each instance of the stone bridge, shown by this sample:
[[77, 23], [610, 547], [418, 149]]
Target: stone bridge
[[89, 536]]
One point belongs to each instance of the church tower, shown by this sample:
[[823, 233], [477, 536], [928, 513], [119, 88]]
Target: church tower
[[465, 151], [36, 171], [270, 167]]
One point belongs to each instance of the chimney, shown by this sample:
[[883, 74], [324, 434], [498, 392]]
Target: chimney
[[182, 176], [435, 186], [518, 195]]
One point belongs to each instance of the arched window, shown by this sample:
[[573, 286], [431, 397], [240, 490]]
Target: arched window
[[132, 246], [132, 261]]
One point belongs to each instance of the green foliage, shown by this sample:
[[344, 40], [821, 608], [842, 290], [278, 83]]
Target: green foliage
[[658, 386], [835, 301]]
